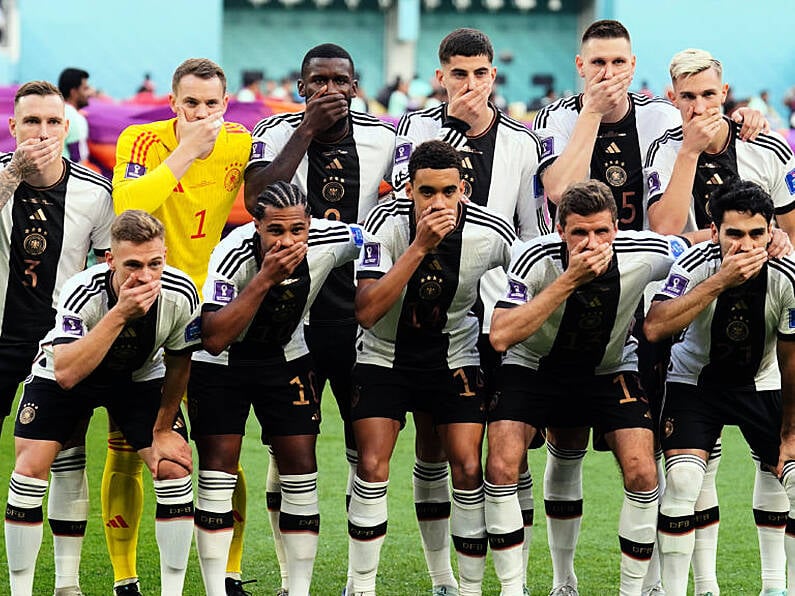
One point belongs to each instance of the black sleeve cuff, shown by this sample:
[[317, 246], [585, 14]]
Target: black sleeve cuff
[[456, 124], [504, 304], [64, 340], [369, 275], [786, 336], [210, 307]]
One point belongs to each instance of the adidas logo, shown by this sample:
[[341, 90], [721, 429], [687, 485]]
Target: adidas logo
[[38, 215], [466, 163], [612, 148], [334, 165], [715, 179], [117, 522]]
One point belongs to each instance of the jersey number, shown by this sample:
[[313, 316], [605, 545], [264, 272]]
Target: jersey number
[[200, 232], [332, 214], [625, 204], [302, 401], [30, 274], [627, 397], [467, 392]]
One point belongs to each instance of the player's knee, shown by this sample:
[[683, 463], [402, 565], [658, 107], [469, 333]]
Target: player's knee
[[683, 481], [372, 468], [169, 470], [640, 473], [501, 468], [467, 472]]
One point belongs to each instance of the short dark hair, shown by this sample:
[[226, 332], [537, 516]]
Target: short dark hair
[[434, 155], [42, 88], [280, 195], [586, 198], [136, 226], [465, 42], [326, 50], [740, 195], [606, 29], [71, 78], [198, 67]]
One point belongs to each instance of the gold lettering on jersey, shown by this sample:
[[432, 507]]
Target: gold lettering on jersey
[[715, 180], [35, 242], [613, 148], [38, 215], [615, 174], [334, 164], [37, 201], [434, 264], [333, 189], [430, 287], [232, 177]]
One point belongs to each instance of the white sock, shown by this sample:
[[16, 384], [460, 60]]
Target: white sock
[[653, 574], [527, 505], [432, 506], [23, 530], [788, 481], [299, 523], [67, 513], [353, 461], [213, 527], [676, 531], [637, 526], [173, 531], [707, 520], [506, 536], [273, 498], [771, 507], [468, 526], [367, 517], [563, 505]]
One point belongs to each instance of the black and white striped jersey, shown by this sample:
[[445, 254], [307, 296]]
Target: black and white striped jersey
[[732, 342], [499, 172], [620, 149], [767, 160], [275, 334], [171, 324], [340, 181], [45, 236], [590, 333], [432, 325]]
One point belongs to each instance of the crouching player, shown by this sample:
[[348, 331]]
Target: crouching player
[[262, 280], [122, 339]]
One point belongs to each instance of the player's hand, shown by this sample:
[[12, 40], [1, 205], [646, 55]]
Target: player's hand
[[586, 264], [279, 263], [432, 226], [753, 122], [700, 129], [740, 266], [169, 445], [786, 453], [780, 244], [198, 136], [323, 110], [468, 102], [32, 156], [602, 95], [136, 298]]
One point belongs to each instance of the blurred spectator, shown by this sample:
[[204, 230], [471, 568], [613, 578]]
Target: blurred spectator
[[644, 90], [360, 103], [73, 84], [761, 102], [250, 91], [437, 96], [399, 99], [418, 92], [146, 86], [789, 101], [385, 92]]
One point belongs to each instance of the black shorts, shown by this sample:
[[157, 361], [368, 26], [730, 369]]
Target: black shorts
[[285, 399], [604, 402], [333, 349], [15, 365], [449, 396], [693, 418], [49, 413]]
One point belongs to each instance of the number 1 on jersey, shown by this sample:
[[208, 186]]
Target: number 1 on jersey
[[200, 232]]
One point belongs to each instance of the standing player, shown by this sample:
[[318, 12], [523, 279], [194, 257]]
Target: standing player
[[684, 167], [603, 133], [262, 280], [499, 160], [571, 362], [122, 339], [417, 284], [186, 171], [52, 211], [338, 158], [732, 308], [73, 85]]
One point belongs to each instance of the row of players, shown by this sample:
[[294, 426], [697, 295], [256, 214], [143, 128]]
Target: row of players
[[338, 158]]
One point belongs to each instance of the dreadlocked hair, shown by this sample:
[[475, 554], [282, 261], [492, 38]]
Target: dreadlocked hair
[[280, 195]]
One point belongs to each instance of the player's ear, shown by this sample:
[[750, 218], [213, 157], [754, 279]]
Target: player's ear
[[439, 76], [714, 232], [12, 126], [172, 102], [559, 229], [579, 63], [409, 190], [109, 260], [299, 84]]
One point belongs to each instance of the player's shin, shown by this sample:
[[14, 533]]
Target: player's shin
[[706, 522], [506, 536], [636, 529], [213, 527], [299, 523], [67, 513], [234, 566], [468, 526], [23, 531], [432, 506], [173, 530], [367, 522]]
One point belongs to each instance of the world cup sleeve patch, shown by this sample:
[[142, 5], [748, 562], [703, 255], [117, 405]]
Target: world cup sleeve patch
[[675, 285], [517, 291], [402, 152], [791, 182], [358, 236], [257, 150], [224, 292], [371, 256], [74, 326], [134, 170], [193, 331], [653, 182], [791, 318], [547, 147]]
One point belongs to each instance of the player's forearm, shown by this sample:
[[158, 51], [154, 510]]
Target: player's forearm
[[668, 317], [10, 179], [221, 327], [574, 163], [283, 167], [147, 193], [509, 326], [74, 361], [669, 214], [175, 384], [374, 298]]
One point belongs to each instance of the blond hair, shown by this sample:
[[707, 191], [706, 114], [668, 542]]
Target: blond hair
[[692, 61], [136, 226]]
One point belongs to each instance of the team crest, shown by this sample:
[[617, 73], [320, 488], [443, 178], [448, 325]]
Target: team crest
[[467, 188], [27, 413], [35, 242], [333, 190], [590, 320], [737, 331], [232, 178], [134, 170], [616, 175], [430, 287], [668, 427]]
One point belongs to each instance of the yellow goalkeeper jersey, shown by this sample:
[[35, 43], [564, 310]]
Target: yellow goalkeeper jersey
[[193, 209]]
